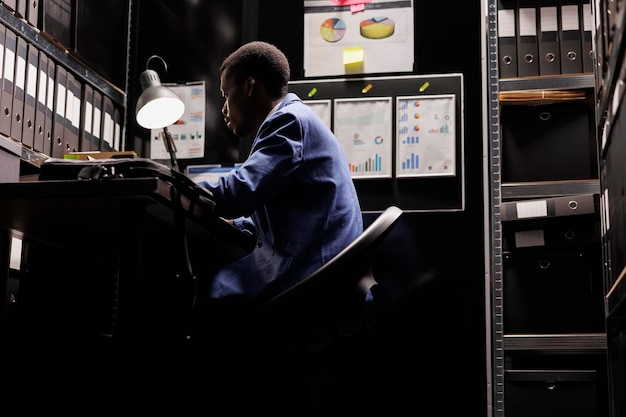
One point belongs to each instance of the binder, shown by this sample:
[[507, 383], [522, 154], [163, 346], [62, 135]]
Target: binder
[[40, 107], [86, 119], [50, 94], [10, 4], [19, 88], [107, 123], [569, 33], [10, 43], [2, 54], [586, 36], [72, 113], [20, 11], [30, 97], [117, 128], [507, 43], [58, 126], [32, 12], [549, 50], [527, 43], [96, 132]]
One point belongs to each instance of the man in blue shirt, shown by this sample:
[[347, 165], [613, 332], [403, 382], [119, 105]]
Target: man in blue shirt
[[294, 191]]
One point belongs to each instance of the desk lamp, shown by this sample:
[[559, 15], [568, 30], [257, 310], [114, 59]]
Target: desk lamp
[[158, 107]]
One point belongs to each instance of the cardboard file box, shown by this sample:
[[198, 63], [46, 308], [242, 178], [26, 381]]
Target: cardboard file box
[[551, 291], [547, 143], [549, 393]]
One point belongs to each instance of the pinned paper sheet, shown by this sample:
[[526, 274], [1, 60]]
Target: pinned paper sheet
[[353, 56]]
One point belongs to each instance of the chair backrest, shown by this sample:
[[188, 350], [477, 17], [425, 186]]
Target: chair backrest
[[335, 292]]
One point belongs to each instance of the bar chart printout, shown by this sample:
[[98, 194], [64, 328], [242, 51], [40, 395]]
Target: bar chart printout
[[425, 138], [364, 128]]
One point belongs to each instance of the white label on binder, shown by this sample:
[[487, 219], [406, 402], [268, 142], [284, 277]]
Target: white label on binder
[[526, 209]]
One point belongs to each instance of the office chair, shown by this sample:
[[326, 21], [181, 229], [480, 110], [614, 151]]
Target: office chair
[[314, 324], [333, 301]]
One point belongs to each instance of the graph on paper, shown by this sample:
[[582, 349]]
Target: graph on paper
[[364, 128], [425, 136]]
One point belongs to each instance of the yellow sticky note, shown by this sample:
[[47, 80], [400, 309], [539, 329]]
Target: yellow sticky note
[[353, 55]]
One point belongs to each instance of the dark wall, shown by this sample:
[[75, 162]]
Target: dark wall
[[434, 261]]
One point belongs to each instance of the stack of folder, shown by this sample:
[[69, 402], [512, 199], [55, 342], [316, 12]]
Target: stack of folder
[[49, 108], [544, 37]]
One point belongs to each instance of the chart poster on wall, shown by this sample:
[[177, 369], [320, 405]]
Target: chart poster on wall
[[357, 37], [188, 132], [364, 128], [426, 136], [322, 108]]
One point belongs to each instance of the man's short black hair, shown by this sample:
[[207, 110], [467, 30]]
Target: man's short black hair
[[260, 60]]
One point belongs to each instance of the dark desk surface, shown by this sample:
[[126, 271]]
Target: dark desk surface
[[88, 216], [104, 286]]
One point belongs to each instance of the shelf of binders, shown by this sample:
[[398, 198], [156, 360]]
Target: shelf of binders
[[82, 110], [544, 38]]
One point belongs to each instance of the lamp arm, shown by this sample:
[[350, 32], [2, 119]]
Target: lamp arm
[[171, 147]]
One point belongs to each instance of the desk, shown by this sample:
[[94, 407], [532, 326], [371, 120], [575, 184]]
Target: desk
[[129, 234]]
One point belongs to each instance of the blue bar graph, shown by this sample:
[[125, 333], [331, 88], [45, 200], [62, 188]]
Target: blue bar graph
[[412, 162]]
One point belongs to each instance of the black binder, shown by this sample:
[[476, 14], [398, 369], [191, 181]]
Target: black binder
[[507, 43], [72, 113], [107, 123], [96, 132], [32, 12], [527, 43], [19, 86], [586, 36], [569, 32], [549, 49], [40, 107], [49, 120], [117, 127], [58, 126], [30, 98], [10, 43], [86, 119]]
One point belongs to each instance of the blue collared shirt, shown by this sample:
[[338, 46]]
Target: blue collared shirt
[[295, 192]]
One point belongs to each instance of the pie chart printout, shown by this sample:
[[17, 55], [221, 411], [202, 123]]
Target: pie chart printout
[[332, 30], [377, 28]]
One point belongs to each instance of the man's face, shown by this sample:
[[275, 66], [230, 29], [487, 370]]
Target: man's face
[[235, 106]]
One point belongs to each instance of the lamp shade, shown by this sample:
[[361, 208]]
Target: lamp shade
[[158, 106]]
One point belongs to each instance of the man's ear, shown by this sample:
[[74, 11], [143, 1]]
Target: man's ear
[[250, 84]]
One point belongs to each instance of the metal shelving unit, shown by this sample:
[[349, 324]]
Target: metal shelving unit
[[498, 194]]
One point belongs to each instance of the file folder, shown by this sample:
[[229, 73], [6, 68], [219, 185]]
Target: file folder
[[72, 116], [587, 46], [86, 119], [527, 43], [19, 86], [96, 132], [507, 43], [58, 126], [569, 32], [10, 43], [40, 107], [549, 49], [30, 98], [50, 94], [107, 123]]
